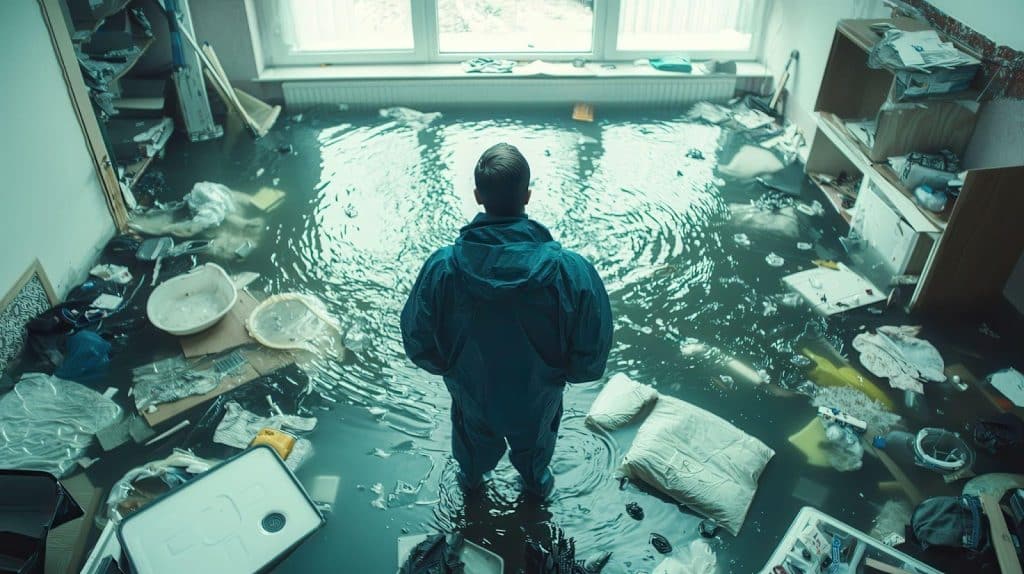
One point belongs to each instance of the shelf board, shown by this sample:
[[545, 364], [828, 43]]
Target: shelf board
[[143, 43], [135, 170], [835, 197], [92, 24], [921, 220]]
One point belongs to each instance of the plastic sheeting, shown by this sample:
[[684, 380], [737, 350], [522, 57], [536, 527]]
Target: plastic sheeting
[[698, 559], [292, 321], [897, 354], [699, 460], [843, 449], [46, 423], [239, 426], [126, 497], [619, 401], [209, 203], [170, 380]]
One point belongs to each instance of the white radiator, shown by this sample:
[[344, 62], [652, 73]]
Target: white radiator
[[446, 92]]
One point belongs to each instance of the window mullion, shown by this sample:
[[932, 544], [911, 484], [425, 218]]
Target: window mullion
[[426, 30], [608, 20]]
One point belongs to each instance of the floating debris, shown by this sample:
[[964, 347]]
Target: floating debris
[[741, 239], [660, 543], [804, 246], [774, 260], [708, 528], [635, 511]]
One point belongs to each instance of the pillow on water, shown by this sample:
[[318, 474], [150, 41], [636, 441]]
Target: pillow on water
[[619, 401], [699, 460]]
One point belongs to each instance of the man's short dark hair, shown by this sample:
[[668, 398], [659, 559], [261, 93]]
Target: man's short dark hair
[[502, 180]]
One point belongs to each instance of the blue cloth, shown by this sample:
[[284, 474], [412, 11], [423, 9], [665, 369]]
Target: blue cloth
[[87, 360], [672, 64], [507, 317]]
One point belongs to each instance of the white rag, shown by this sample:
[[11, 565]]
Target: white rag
[[897, 354]]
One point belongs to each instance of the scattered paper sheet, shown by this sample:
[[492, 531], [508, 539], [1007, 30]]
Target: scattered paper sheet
[[833, 291], [1010, 382]]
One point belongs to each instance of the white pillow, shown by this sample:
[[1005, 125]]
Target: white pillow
[[619, 401], [699, 460]]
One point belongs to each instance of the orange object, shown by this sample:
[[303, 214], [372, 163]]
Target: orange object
[[583, 112], [279, 440]]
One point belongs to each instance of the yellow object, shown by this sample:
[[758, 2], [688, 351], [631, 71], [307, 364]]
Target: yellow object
[[809, 440], [268, 198], [827, 374], [279, 440], [826, 264]]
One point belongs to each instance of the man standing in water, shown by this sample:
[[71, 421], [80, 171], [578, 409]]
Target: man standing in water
[[507, 316]]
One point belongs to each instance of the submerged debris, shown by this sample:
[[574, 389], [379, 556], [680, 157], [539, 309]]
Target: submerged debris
[[635, 511], [708, 528], [660, 543]]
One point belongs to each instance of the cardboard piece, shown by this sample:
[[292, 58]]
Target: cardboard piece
[[65, 545], [228, 333], [259, 362], [833, 291], [583, 112], [268, 198]]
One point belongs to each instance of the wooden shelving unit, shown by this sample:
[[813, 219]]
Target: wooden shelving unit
[[963, 256], [88, 20]]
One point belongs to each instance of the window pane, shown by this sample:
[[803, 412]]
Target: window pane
[[482, 26], [350, 25], [687, 25]]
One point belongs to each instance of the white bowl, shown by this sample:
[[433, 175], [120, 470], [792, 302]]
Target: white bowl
[[193, 302]]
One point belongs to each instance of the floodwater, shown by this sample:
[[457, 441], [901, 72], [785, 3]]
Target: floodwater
[[369, 199]]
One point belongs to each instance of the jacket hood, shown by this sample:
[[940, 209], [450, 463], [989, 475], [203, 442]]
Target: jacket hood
[[499, 255]]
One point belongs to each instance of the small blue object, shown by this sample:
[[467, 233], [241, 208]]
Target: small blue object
[[87, 360], [879, 442], [931, 199], [672, 64]]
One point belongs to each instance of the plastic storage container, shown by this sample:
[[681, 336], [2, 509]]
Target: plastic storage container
[[192, 302]]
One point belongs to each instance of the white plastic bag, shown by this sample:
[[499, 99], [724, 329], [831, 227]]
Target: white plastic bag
[[210, 204], [699, 460], [46, 423], [699, 559], [619, 401]]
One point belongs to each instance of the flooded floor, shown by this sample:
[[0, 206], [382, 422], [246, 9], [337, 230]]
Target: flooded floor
[[368, 200]]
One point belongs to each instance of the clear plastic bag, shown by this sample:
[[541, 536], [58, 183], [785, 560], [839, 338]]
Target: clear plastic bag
[[169, 380], [46, 423], [293, 321], [129, 494], [239, 426]]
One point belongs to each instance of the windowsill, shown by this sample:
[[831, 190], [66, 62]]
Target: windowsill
[[454, 70]]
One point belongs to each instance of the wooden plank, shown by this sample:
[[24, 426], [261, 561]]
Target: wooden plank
[[929, 128], [1006, 553], [53, 16], [980, 247], [909, 488], [879, 566]]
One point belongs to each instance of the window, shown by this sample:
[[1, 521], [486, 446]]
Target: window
[[313, 32], [686, 25], [514, 26], [351, 25]]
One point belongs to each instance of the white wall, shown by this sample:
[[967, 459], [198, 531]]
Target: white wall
[[51, 201], [808, 26], [1001, 20]]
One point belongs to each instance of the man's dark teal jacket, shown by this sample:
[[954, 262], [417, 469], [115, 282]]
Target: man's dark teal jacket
[[508, 316]]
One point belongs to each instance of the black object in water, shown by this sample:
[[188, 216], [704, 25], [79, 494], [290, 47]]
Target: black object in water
[[557, 555], [634, 511], [660, 543], [438, 554], [708, 528]]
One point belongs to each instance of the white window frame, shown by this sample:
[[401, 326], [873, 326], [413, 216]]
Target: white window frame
[[426, 48]]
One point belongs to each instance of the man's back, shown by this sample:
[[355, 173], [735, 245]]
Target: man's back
[[508, 316]]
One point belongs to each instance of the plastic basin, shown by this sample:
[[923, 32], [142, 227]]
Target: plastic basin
[[192, 302]]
